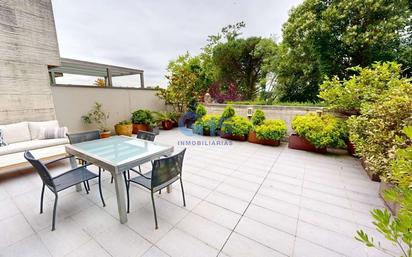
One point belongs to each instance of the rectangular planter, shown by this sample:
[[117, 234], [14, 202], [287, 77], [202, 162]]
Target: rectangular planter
[[300, 143], [393, 207], [350, 147], [252, 138], [233, 137]]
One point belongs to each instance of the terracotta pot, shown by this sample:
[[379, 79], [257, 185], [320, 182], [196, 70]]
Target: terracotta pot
[[371, 175], [105, 134], [233, 137], [351, 148], [124, 130], [300, 143], [140, 127], [167, 124], [393, 207], [252, 138]]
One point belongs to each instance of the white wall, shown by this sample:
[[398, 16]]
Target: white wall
[[71, 102]]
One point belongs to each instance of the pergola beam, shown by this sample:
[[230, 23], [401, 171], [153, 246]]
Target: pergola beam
[[77, 67]]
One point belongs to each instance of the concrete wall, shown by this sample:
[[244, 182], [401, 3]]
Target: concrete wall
[[286, 113], [28, 43], [71, 102]]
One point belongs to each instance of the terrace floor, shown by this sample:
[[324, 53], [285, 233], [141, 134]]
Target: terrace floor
[[242, 200]]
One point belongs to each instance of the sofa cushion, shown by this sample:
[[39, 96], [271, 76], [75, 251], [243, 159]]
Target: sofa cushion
[[51, 133], [16, 132], [2, 141], [35, 127], [31, 145]]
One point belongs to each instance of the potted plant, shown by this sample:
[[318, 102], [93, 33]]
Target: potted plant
[[228, 112], [141, 119], [166, 119], [175, 116], [200, 111], [124, 128], [97, 116], [317, 132], [270, 132], [258, 118], [235, 128], [208, 125]]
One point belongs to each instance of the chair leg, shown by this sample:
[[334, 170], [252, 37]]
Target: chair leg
[[100, 186], [160, 191], [111, 180], [140, 169], [154, 210], [41, 198], [88, 185], [54, 212], [183, 192], [127, 191], [128, 174], [85, 187]]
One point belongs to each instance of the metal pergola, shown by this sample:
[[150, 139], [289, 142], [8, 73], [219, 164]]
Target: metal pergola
[[77, 67]]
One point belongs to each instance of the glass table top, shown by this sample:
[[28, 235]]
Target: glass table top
[[120, 149]]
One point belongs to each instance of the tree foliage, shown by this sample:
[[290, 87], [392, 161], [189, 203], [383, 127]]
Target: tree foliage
[[384, 111], [366, 86], [324, 38]]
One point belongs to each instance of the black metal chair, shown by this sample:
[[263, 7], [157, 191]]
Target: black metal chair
[[165, 172], [75, 138], [149, 136], [80, 137], [63, 181]]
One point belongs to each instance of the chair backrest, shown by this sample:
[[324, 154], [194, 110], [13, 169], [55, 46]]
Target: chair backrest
[[167, 168], [146, 135], [75, 138], [40, 168]]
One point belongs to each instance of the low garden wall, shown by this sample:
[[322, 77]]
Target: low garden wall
[[286, 113], [71, 102]]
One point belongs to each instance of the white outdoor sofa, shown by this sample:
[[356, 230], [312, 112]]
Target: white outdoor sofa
[[24, 136]]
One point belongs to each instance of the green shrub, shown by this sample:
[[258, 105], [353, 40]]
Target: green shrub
[[142, 117], [165, 116], [237, 126], [258, 117], [124, 122], [321, 131], [377, 132], [228, 112], [271, 130], [97, 116], [396, 229], [401, 167], [200, 111], [208, 123], [365, 87]]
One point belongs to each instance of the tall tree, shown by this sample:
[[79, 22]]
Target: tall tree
[[325, 37]]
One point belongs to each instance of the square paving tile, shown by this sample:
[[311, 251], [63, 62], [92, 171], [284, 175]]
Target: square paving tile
[[242, 200]]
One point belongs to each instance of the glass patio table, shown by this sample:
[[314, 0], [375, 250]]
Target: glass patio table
[[118, 154]]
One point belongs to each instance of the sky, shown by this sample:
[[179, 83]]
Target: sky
[[148, 34]]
